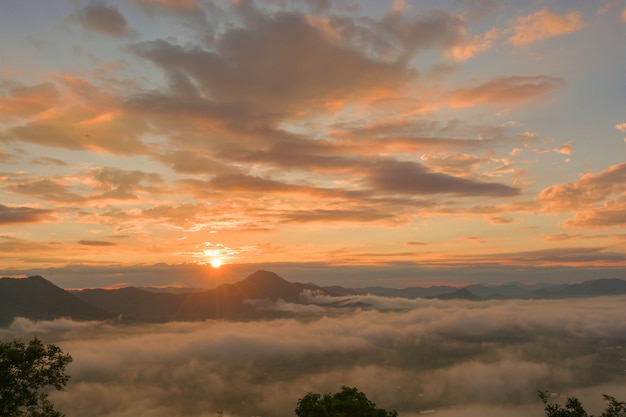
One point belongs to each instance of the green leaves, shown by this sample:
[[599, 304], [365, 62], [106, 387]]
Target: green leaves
[[26, 372], [573, 407], [349, 402]]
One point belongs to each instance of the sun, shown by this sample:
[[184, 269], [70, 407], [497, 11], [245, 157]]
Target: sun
[[216, 262]]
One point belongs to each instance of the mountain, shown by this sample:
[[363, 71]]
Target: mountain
[[410, 292], [505, 291], [225, 301], [39, 299], [461, 294], [592, 288]]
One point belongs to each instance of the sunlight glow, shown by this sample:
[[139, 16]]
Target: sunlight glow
[[216, 262]]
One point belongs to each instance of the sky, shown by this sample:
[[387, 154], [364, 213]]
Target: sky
[[396, 143]]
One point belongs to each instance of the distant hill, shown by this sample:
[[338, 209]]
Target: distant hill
[[225, 301], [462, 294], [39, 299], [410, 292], [592, 288], [505, 291]]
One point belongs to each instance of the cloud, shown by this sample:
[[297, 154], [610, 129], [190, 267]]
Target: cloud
[[610, 214], [96, 243], [234, 70], [12, 245], [433, 355], [501, 219], [471, 47], [121, 184], [193, 163], [597, 198], [45, 189], [557, 256], [44, 160], [17, 215], [356, 215], [562, 236], [101, 17], [91, 185], [177, 6], [411, 178], [95, 119], [399, 36], [566, 149], [21, 101], [512, 89], [543, 25], [621, 126]]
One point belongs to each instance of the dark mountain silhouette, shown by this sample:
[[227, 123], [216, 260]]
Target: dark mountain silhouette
[[36, 298], [592, 288], [39, 299], [340, 291], [410, 292], [225, 301], [462, 294], [505, 291]]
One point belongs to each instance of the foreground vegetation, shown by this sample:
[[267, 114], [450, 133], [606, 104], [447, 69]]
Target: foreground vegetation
[[349, 402], [573, 407], [27, 371]]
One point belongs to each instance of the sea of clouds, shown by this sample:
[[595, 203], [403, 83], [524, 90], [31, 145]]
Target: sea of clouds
[[459, 358]]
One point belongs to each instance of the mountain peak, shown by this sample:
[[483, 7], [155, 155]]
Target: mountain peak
[[264, 277], [37, 298]]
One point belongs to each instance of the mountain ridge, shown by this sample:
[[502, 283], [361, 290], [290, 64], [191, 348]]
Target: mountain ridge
[[39, 299]]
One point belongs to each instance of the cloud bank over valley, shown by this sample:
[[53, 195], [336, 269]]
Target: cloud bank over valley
[[457, 357]]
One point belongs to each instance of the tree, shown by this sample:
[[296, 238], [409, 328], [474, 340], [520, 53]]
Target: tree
[[573, 407], [27, 373], [349, 402]]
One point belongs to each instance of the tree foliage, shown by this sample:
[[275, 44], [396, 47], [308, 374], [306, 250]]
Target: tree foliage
[[349, 402], [27, 373], [573, 407]]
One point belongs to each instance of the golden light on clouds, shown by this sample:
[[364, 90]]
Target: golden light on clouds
[[308, 133]]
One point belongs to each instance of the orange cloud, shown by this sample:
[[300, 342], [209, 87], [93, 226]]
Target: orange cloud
[[23, 101], [566, 149], [599, 200], [610, 214], [543, 25], [96, 243], [505, 90], [589, 189], [622, 128], [466, 50], [88, 117], [15, 215]]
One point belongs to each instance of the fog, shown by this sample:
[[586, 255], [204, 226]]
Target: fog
[[459, 358]]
